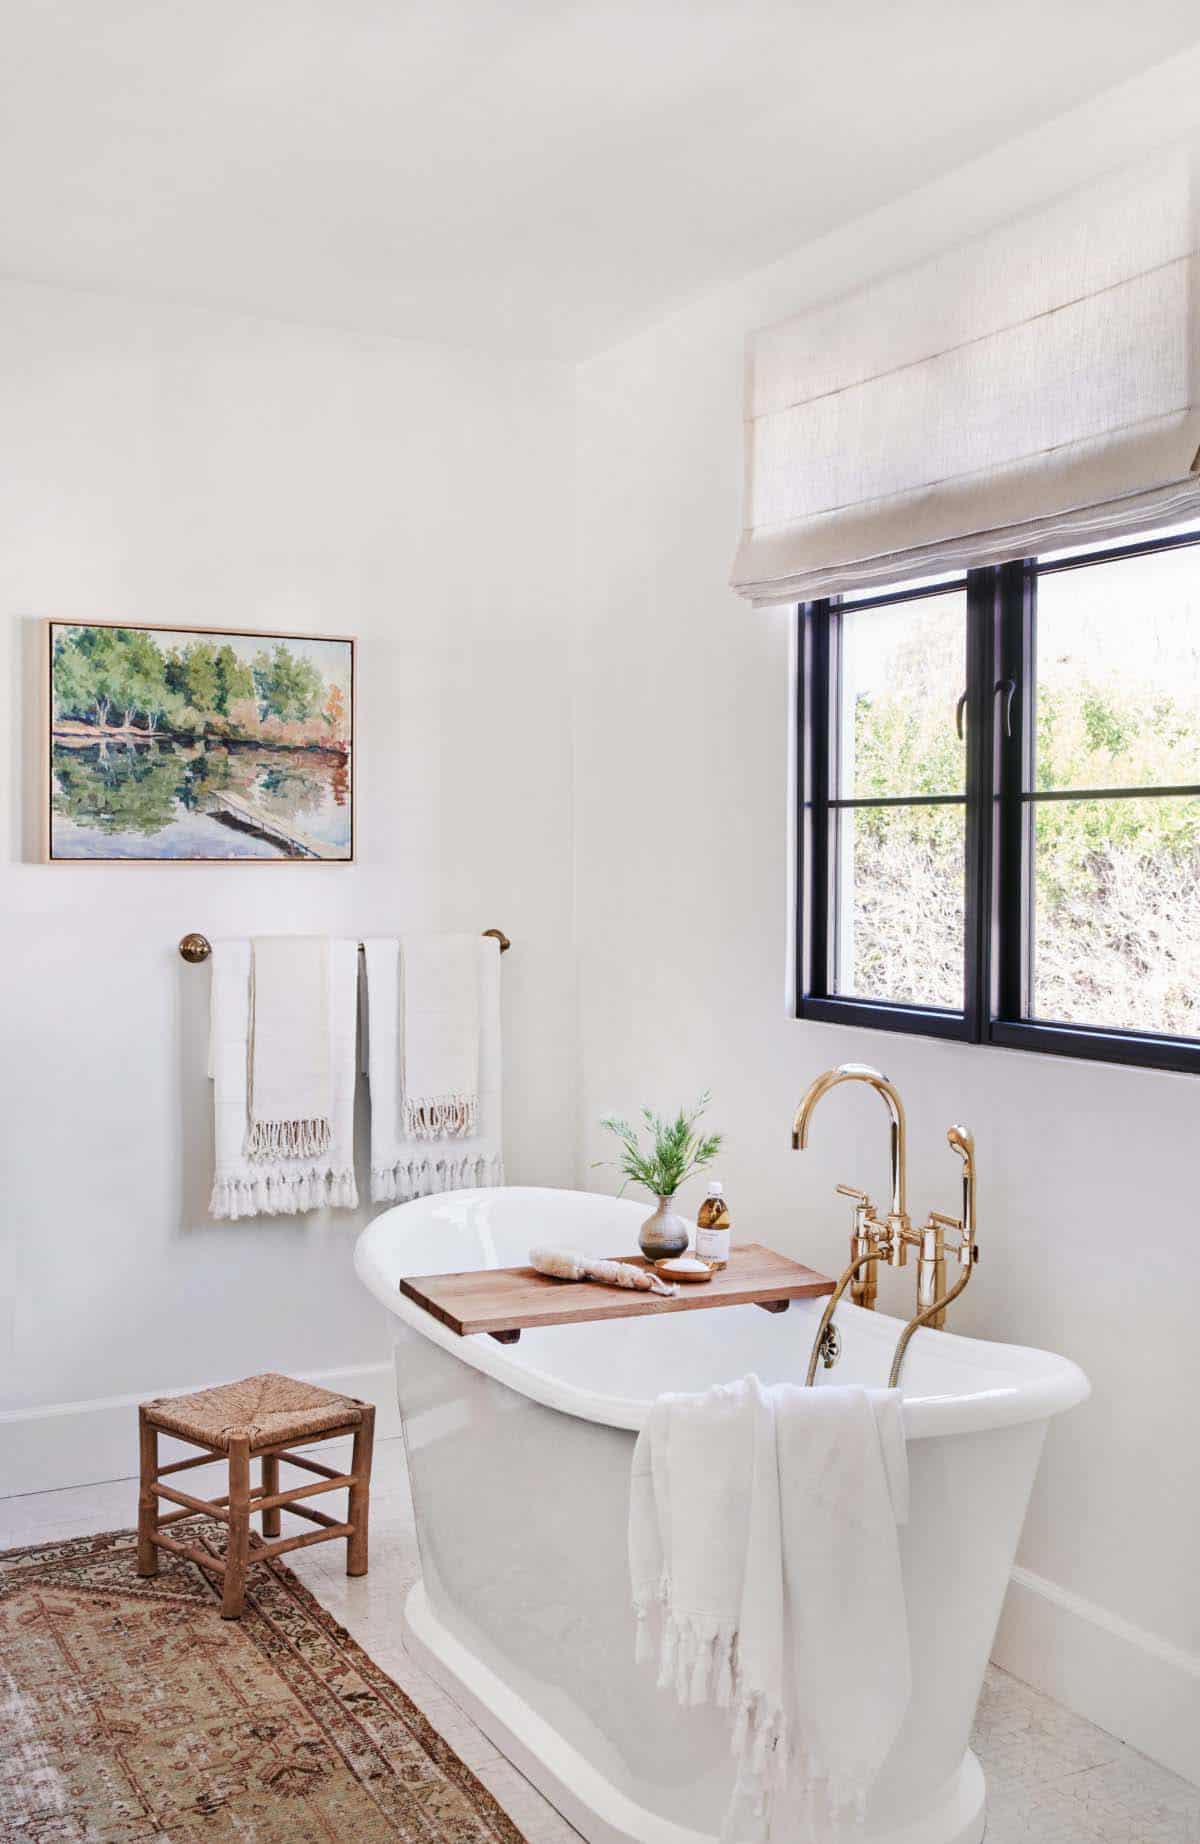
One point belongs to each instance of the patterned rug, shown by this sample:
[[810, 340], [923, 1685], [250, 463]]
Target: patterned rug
[[130, 1711]]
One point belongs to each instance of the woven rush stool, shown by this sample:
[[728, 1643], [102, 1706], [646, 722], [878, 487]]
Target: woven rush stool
[[258, 1418]]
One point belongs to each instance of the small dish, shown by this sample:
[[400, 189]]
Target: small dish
[[684, 1268]]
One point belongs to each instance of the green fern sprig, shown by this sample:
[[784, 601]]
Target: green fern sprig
[[677, 1150]]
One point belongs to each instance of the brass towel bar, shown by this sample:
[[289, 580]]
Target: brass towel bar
[[195, 948]]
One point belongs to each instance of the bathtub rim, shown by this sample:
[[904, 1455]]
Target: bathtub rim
[[1051, 1385]]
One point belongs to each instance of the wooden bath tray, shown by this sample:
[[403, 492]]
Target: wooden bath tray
[[504, 1301]]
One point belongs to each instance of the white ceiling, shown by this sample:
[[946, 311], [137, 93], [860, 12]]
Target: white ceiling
[[525, 176]]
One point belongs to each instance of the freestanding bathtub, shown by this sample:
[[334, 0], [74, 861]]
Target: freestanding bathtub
[[519, 1458]]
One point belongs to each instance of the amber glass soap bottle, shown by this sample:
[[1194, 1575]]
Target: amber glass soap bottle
[[712, 1227]]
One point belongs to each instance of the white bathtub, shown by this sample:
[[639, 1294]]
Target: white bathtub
[[519, 1457]]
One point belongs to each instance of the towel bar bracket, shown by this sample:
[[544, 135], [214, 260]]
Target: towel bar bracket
[[196, 948]]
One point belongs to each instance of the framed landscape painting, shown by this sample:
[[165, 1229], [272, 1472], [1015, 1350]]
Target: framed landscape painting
[[194, 744]]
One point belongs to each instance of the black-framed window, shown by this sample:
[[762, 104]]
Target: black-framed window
[[999, 805]]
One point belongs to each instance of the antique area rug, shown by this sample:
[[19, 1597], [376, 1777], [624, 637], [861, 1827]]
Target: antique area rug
[[129, 1711]]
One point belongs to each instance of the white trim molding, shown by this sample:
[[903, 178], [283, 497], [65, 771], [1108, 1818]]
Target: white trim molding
[[1128, 1681], [84, 1443]]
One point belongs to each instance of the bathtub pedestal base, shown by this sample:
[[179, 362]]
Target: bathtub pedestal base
[[593, 1804]]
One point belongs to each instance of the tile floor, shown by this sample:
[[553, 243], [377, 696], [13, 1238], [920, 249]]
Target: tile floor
[[1052, 1778]]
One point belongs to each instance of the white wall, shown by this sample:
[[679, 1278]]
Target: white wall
[[1086, 1173], [163, 465]]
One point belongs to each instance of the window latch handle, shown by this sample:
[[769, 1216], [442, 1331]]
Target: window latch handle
[[959, 713], [1009, 688]]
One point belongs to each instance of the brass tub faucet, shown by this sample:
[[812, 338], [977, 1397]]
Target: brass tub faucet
[[864, 1284], [874, 1239]]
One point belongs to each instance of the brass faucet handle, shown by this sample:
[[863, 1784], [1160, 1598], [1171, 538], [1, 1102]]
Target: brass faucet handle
[[866, 1221], [968, 1249]]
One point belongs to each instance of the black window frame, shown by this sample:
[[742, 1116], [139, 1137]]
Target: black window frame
[[999, 803]]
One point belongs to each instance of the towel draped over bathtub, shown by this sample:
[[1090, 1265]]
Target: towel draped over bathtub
[[283, 1088], [763, 1543], [433, 1059]]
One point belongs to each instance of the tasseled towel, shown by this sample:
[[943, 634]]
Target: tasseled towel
[[440, 1005], [289, 1056], [406, 1164], [762, 1533], [263, 1181]]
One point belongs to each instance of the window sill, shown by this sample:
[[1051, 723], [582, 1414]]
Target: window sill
[[872, 1015], [1141, 1052]]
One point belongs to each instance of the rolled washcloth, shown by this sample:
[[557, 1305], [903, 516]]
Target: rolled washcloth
[[562, 1265]]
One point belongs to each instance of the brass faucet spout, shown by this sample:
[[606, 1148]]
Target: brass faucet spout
[[861, 1072]]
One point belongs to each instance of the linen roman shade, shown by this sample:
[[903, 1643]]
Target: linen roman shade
[[1037, 387]]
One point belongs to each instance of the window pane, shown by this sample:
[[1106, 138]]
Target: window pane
[[900, 885], [1118, 674], [1117, 914], [902, 671]]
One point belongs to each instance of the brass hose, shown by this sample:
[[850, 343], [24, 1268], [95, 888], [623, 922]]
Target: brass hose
[[860, 1261], [914, 1325]]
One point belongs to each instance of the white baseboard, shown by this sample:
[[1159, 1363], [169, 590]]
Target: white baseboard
[[1128, 1681], [83, 1443]]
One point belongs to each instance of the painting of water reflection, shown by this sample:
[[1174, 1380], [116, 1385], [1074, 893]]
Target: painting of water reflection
[[186, 744]]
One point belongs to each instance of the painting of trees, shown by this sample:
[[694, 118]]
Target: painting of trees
[[235, 680], [90, 672], [138, 680], [200, 677], [289, 687], [168, 743], [335, 713]]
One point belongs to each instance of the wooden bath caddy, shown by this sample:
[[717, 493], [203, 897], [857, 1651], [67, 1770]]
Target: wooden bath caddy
[[505, 1301]]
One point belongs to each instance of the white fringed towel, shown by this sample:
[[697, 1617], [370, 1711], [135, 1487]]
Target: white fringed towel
[[284, 1184], [404, 1166], [763, 1534], [440, 1008], [290, 1092]]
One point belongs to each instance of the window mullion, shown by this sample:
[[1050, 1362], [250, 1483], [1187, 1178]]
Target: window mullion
[[834, 763], [981, 672], [1013, 908], [812, 922]]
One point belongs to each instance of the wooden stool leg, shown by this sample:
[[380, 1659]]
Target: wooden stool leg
[[270, 1482], [239, 1528], [147, 1554], [360, 1492]]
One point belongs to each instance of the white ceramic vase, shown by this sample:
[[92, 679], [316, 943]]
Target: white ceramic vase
[[665, 1233]]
